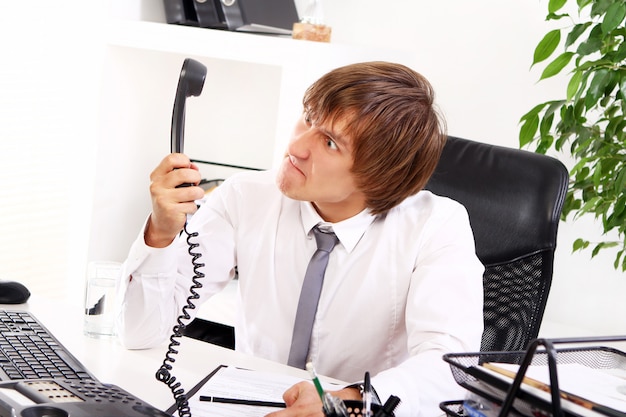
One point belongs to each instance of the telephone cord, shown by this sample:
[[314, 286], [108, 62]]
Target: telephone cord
[[164, 373]]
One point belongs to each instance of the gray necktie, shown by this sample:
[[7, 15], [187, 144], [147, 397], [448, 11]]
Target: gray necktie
[[309, 297]]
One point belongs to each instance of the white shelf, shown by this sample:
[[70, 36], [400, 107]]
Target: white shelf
[[235, 46]]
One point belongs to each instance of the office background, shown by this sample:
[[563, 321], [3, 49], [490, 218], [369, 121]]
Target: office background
[[84, 119]]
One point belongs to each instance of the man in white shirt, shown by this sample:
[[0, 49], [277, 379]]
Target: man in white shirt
[[402, 287]]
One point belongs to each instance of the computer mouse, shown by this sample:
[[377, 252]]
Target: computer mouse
[[12, 292]]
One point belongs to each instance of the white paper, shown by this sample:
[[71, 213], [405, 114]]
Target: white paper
[[601, 386], [231, 382]]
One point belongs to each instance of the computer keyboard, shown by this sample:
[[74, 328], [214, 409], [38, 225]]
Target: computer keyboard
[[29, 351]]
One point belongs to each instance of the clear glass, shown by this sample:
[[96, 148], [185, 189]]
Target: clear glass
[[100, 293]]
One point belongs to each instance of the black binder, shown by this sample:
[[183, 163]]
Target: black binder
[[194, 13], [258, 16]]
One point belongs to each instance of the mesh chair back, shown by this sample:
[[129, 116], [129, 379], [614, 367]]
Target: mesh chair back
[[514, 199]]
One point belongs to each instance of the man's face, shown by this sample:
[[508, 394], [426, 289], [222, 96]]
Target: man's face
[[316, 168]]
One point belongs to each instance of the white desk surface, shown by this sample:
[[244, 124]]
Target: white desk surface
[[134, 370]]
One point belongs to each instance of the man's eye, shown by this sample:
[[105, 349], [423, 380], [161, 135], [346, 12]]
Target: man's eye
[[307, 118], [331, 144]]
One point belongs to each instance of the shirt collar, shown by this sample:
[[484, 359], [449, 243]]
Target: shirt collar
[[348, 231]]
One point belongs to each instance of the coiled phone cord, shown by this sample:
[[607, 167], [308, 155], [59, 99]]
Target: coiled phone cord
[[163, 374]]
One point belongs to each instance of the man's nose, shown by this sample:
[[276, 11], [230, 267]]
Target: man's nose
[[300, 145]]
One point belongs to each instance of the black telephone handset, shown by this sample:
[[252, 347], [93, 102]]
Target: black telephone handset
[[190, 83]]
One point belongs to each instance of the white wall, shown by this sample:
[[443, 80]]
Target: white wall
[[49, 88], [476, 54]]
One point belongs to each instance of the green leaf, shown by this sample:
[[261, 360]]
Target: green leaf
[[620, 53], [597, 175], [579, 244], [602, 245], [546, 124], [611, 128], [555, 5], [544, 144], [622, 87], [579, 166], [589, 205], [553, 107], [578, 124], [567, 118], [597, 87], [620, 132], [554, 16], [611, 82], [557, 65], [617, 258], [615, 14], [534, 111], [574, 84], [528, 130], [600, 7], [620, 183], [617, 218], [583, 87], [575, 33], [595, 251], [593, 42], [547, 46]]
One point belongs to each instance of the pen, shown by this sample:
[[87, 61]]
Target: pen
[[367, 396], [332, 406], [242, 402], [316, 381]]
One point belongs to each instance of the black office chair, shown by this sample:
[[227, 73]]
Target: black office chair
[[514, 199]]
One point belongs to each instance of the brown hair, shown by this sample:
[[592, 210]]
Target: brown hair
[[396, 131]]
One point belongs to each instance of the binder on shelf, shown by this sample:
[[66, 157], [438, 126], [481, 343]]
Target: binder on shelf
[[558, 382], [194, 13], [256, 16]]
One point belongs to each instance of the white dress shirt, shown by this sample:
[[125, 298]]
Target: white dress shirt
[[400, 290]]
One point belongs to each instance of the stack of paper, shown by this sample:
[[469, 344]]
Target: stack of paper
[[600, 391]]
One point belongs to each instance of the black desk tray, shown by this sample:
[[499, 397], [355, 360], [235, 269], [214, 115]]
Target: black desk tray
[[510, 398], [453, 408]]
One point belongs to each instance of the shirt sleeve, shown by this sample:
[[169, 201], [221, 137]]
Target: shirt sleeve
[[155, 282], [444, 314], [146, 308]]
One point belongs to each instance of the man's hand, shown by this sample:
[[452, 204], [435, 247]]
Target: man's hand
[[170, 205], [302, 400]]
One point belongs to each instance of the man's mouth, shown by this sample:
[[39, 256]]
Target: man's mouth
[[292, 161]]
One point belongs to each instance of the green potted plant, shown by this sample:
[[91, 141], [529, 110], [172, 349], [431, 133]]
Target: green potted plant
[[588, 124]]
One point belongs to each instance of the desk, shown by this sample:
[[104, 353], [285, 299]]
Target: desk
[[134, 370]]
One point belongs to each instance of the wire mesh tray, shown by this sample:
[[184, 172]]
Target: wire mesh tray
[[468, 372], [453, 408]]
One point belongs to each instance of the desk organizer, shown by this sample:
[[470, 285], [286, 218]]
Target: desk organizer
[[509, 397]]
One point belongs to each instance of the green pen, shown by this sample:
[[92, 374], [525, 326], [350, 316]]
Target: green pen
[[316, 380], [332, 406]]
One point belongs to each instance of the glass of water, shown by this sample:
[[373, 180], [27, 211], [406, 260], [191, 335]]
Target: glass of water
[[100, 292]]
